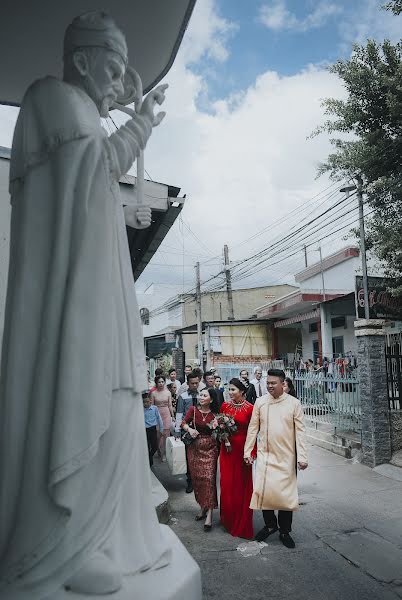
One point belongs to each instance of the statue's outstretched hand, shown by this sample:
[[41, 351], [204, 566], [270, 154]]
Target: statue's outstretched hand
[[156, 96]]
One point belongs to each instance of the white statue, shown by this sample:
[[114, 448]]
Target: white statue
[[75, 497]]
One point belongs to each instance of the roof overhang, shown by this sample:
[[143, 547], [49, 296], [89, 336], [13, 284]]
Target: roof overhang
[[31, 38], [165, 205], [296, 303]]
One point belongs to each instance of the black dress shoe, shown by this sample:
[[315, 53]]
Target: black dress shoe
[[287, 540], [201, 517], [189, 488], [207, 527], [264, 533]]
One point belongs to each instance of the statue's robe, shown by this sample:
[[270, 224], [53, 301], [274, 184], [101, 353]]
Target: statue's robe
[[73, 461], [278, 426]]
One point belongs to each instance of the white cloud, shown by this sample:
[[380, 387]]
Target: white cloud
[[277, 17], [208, 34]]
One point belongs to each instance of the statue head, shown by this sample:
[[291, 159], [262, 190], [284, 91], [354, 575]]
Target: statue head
[[95, 58]]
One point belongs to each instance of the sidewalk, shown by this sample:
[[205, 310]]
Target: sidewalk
[[348, 537]]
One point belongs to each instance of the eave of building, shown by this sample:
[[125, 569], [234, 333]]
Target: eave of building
[[31, 37], [329, 261], [166, 207], [296, 303]]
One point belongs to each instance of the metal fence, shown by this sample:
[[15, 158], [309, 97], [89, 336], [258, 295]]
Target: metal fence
[[229, 370], [393, 361], [331, 399]]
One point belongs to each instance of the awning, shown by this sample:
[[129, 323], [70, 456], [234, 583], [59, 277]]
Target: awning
[[31, 37]]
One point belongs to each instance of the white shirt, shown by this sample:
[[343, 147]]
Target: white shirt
[[257, 383]]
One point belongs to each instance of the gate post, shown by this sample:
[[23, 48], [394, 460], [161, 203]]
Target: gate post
[[376, 434]]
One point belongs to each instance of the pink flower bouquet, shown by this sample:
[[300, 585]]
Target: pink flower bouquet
[[223, 426]]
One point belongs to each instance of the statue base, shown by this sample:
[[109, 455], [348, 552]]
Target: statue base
[[180, 580]]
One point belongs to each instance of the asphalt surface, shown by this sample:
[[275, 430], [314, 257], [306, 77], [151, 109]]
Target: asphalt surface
[[348, 536]]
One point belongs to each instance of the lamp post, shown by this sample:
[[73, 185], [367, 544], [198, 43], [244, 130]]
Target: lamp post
[[347, 189]]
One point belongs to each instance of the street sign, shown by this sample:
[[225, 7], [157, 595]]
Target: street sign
[[382, 304]]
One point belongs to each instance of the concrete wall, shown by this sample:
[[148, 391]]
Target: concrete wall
[[307, 340], [5, 214], [338, 277], [349, 339]]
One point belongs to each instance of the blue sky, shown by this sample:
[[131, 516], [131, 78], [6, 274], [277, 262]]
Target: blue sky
[[286, 36]]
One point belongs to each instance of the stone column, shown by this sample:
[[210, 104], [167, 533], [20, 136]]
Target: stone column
[[376, 435]]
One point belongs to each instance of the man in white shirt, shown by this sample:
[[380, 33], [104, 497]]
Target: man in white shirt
[[259, 384]]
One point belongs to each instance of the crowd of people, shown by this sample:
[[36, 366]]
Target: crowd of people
[[268, 437]]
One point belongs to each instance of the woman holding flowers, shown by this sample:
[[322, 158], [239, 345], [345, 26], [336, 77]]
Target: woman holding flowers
[[236, 476], [202, 454]]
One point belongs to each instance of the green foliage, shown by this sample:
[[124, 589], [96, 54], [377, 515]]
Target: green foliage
[[394, 6], [370, 123]]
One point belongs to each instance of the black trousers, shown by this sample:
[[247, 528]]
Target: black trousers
[[152, 440], [284, 520]]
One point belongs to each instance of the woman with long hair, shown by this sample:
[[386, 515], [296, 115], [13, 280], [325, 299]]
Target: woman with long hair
[[289, 387], [202, 454], [236, 476], [162, 399]]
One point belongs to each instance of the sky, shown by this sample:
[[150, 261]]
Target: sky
[[244, 95]]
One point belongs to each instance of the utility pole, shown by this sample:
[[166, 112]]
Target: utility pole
[[363, 246], [305, 256], [198, 310], [322, 276], [228, 282], [359, 192]]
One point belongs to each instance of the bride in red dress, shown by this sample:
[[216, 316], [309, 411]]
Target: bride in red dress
[[236, 476]]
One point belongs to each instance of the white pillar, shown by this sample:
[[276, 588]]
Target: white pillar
[[326, 331]]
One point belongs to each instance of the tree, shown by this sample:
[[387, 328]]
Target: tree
[[370, 121], [394, 6]]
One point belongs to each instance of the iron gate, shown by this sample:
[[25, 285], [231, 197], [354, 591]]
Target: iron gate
[[393, 361]]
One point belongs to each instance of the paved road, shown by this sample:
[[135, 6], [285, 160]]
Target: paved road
[[348, 537]]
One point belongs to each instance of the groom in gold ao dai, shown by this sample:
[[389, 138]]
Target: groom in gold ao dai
[[278, 422]]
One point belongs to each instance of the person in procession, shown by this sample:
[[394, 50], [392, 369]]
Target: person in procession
[[172, 377], [162, 399], [153, 421], [259, 384], [172, 387], [251, 394], [202, 454], [278, 422], [236, 476], [186, 400]]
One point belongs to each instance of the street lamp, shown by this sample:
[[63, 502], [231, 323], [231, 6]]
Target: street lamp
[[347, 189]]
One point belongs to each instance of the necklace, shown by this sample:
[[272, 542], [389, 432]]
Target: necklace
[[204, 414], [237, 406]]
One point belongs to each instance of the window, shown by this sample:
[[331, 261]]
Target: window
[[338, 322], [144, 314], [313, 327], [337, 346]]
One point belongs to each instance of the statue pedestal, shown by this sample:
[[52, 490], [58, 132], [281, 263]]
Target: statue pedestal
[[180, 580]]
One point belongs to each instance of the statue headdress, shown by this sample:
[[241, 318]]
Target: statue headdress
[[95, 29]]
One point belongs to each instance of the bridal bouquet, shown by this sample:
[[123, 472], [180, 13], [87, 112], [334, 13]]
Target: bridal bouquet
[[223, 426]]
